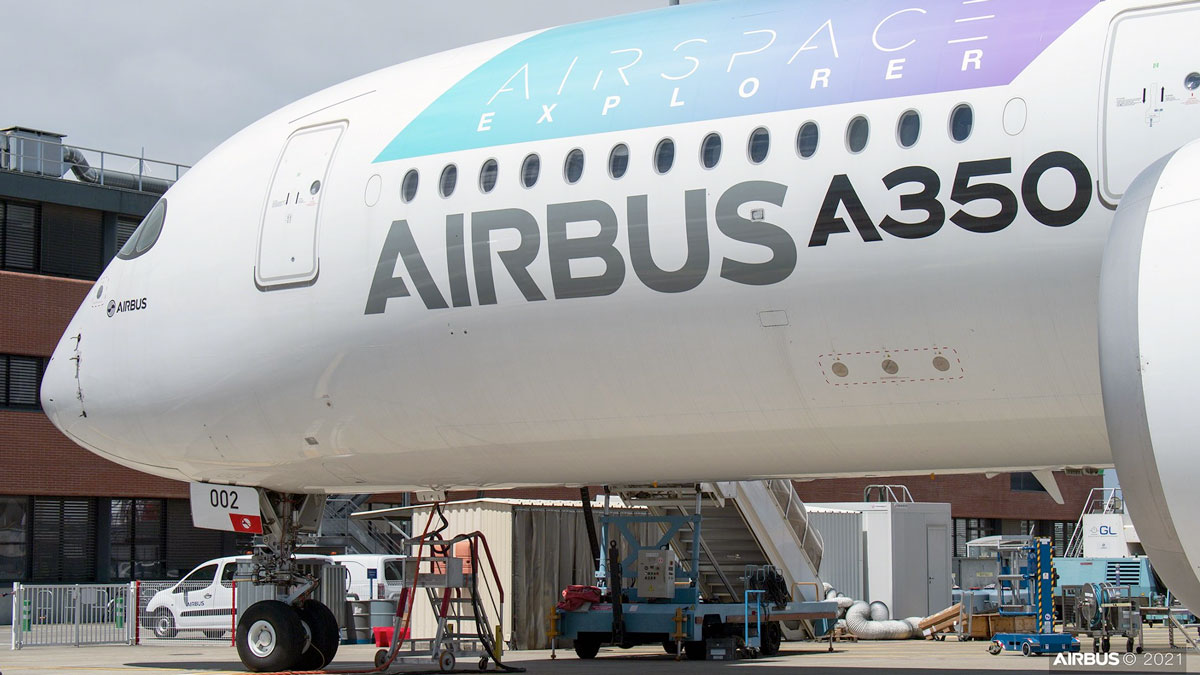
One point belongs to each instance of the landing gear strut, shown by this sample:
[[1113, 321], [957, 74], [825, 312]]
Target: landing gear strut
[[293, 631]]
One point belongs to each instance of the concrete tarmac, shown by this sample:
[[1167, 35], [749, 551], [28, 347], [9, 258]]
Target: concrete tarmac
[[910, 657]]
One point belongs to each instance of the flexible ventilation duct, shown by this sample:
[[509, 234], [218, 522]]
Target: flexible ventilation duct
[[858, 622], [879, 611], [86, 173]]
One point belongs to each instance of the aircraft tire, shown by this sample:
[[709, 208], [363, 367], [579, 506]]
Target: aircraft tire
[[270, 637], [323, 632]]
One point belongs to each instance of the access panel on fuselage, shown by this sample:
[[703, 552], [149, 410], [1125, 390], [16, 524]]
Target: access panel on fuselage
[[1151, 101], [287, 242]]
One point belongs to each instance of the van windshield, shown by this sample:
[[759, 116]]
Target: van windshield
[[202, 576], [393, 572]]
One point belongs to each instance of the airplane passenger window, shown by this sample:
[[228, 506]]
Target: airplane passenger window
[[146, 233], [760, 143], [487, 175], [530, 169], [449, 180], [807, 138], [573, 167], [857, 133], [908, 129], [961, 121], [710, 150], [408, 187], [618, 160], [664, 155]]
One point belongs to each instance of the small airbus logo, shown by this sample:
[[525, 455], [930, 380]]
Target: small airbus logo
[[115, 307]]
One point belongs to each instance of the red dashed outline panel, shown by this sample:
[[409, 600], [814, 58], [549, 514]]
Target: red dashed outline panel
[[918, 361]]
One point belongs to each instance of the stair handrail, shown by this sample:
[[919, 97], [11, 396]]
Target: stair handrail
[[788, 500], [887, 493], [477, 535], [1109, 499]]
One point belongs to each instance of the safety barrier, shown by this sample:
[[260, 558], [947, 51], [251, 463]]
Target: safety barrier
[[72, 614]]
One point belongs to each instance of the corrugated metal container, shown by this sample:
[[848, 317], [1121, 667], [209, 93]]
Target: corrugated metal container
[[842, 565], [494, 520]]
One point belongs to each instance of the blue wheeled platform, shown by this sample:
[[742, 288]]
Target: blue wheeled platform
[[1035, 643]]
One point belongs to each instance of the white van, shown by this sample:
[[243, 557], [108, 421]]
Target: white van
[[372, 577], [203, 600]]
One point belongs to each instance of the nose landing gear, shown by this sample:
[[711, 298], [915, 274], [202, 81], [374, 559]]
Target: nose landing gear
[[293, 631]]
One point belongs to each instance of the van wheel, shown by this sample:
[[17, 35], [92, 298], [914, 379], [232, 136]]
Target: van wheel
[[270, 637], [164, 624], [322, 632]]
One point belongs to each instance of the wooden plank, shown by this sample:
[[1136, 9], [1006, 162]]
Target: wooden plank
[[942, 627], [941, 616]]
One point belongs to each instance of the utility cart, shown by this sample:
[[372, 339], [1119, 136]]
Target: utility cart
[[647, 595]]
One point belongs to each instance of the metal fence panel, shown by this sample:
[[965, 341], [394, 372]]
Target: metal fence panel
[[72, 614]]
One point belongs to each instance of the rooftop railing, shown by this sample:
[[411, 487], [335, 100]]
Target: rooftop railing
[[49, 157]]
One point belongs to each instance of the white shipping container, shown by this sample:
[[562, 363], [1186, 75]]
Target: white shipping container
[[907, 554]]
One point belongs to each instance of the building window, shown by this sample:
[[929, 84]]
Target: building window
[[19, 236], [14, 537], [20, 382], [1024, 481], [126, 225], [64, 540], [137, 531], [969, 529]]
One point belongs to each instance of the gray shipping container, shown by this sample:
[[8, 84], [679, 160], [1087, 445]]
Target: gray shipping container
[[843, 564]]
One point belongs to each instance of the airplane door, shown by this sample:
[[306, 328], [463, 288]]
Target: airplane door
[[287, 242], [1150, 104]]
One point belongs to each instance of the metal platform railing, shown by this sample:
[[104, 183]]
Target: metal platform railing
[[49, 157]]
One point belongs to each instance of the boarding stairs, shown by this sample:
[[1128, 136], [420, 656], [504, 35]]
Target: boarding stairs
[[339, 530], [1099, 500], [744, 523]]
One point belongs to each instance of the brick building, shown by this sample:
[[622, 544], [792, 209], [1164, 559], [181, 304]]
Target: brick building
[[67, 515]]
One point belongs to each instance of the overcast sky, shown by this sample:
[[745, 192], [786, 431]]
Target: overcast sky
[[177, 78]]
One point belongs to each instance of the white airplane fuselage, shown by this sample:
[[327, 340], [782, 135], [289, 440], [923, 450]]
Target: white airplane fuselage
[[893, 310]]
